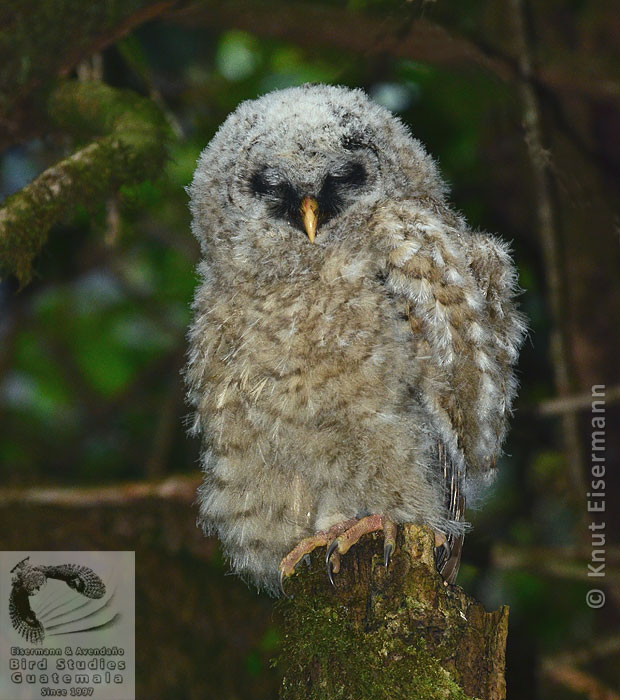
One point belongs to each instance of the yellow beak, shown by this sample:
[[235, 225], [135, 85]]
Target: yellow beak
[[310, 216]]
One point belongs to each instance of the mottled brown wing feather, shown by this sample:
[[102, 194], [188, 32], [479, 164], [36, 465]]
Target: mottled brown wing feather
[[459, 291]]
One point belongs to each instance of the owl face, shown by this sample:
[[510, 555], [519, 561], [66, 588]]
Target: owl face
[[308, 189], [300, 170]]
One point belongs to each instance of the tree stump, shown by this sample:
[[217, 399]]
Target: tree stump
[[388, 633]]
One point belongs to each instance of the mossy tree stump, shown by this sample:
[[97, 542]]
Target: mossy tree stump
[[392, 633]]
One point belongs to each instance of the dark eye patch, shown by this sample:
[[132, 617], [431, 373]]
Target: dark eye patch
[[266, 182], [335, 185], [283, 200], [352, 175]]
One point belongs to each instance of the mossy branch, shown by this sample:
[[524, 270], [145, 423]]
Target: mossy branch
[[131, 146], [389, 634]]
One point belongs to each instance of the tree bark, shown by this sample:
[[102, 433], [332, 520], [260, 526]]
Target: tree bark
[[388, 633]]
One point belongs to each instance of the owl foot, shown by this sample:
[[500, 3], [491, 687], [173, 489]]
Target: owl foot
[[364, 526], [308, 545]]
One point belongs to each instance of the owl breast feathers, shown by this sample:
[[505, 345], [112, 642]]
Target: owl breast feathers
[[353, 343]]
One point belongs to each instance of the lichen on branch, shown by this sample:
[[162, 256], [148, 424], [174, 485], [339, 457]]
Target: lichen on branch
[[130, 137]]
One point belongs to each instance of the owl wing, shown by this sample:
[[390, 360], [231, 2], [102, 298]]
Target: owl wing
[[23, 618], [81, 578], [458, 289]]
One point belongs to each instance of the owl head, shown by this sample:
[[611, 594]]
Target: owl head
[[32, 580], [299, 170]]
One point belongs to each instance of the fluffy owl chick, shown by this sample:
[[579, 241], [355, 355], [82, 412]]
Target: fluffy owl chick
[[353, 343]]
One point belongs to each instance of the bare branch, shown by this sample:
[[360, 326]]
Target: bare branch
[[598, 649], [41, 51], [549, 236], [177, 488], [566, 563], [579, 681], [576, 402], [313, 25]]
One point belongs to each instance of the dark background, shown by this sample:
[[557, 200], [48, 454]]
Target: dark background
[[91, 399]]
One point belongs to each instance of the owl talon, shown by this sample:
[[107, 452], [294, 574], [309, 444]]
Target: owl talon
[[281, 579], [330, 562], [389, 540], [330, 550], [330, 572], [304, 548], [387, 553], [351, 536]]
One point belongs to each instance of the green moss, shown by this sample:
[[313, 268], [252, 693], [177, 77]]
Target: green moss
[[343, 662], [388, 633]]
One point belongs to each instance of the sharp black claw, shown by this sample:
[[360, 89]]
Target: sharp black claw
[[328, 560], [284, 593], [387, 554], [330, 573], [307, 561], [330, 550]]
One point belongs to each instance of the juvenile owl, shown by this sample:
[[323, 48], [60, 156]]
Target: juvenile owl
[[352, 351]]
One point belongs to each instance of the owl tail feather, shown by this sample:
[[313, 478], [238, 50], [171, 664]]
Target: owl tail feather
[[448, 555]]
